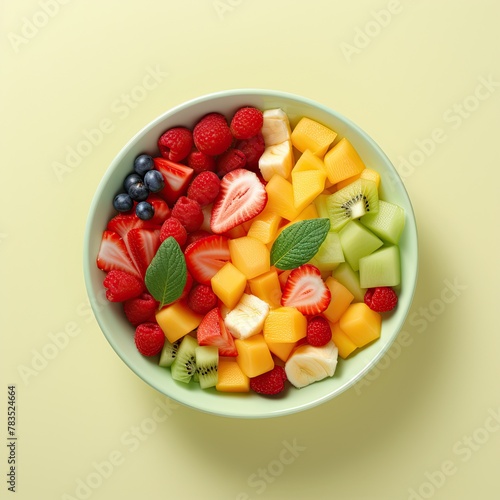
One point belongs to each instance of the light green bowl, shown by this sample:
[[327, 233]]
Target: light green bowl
[[120, 333]]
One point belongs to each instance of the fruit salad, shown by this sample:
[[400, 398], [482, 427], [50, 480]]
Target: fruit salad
[[249, 255]]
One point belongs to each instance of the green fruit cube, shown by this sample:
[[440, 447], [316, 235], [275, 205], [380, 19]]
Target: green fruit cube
[[329, 254], [381, 268], [345, 275], [388, 223]]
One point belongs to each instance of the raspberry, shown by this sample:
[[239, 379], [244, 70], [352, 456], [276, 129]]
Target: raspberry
[[204, 188], [173, 227], [246, 122], [212, 135], [269, 383], [189, 213], [176, 143], [140, 309], [187, 286], [196, 235], [200, 162], [230, 160], [122, 286], [381, 298], [318, 331], [149, 339], [202, 299], [252, 149]]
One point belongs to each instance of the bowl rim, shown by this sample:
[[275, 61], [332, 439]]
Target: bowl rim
[[87, 258]]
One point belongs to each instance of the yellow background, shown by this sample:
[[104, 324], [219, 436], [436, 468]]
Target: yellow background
[[422, 78]]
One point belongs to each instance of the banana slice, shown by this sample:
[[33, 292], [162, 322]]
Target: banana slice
[[248, 316], [276, 127], [309, 364], [277, 159]]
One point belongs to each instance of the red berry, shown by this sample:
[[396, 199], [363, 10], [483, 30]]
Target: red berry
[[176, 143], [161, 209], [246, 122], [140, 309], [230, 160], [253, 149], [187, 286], [196, 235], [318, 331], [269, 383], [149, 339], [122, 286], [189, 213], [202, 299], [212, 135], [200, 162], [204, 188], [381, 298], [173, 227]]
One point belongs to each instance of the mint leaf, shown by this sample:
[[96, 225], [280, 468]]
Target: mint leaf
[[166, 274], [298, 243]]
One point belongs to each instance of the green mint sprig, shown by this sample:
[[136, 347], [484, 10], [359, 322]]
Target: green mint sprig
[[166, 274], [297, 244]]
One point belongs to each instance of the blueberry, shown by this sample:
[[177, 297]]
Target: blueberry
[[138, 191], [123, 202], [153, 180], [143, 164], [131, 179], [144, 210]]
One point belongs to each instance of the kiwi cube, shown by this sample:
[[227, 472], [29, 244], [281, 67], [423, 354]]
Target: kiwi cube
[[184, 366], [207, 362], [381, 268]]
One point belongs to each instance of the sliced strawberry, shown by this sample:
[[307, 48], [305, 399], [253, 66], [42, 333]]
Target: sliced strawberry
[[305, 290], [113, 254], [206, 256], [143, 244], [123, 223], [212, 331], [241, 197], [177, 178], [162, 211]]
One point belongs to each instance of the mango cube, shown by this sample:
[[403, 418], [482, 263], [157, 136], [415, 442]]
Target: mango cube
[[282, 350], [342, 162], [231, 378], [312, 135], [285, 325], [254, 357], [265, 226], [361, 324], [229, 284], [308, 161], [344, 344], [268, 288], [340, 301], [280, 197], [307, 184], [250, 256], [177, 320]]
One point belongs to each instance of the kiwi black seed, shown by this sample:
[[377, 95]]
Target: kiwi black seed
[[352, 202], [169, 353], [184, 366]]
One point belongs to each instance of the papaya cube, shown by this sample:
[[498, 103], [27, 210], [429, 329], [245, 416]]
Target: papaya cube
[[176, 320], [280, 197], [344, 344], [312, 135], [254, 357], [340, 301], [308, 161], [307, 185], [342, 162], [361, 324], [264, 226], [282, 350], [371, 175], [229, 284], [283, 276], [267, 287], [230, 377], [250, 256], [285, 325]]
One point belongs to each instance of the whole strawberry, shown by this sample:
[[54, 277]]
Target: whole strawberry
[[212, 135], [381, 299], [269, 383], [149, 339]]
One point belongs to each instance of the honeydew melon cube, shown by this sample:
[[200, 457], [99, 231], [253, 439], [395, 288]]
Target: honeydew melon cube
[[254, 357], [312, 135], [320, 204], [381, 268], [329, 254], [228, 284], [357, 241], [388, 223], [350, 279]]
